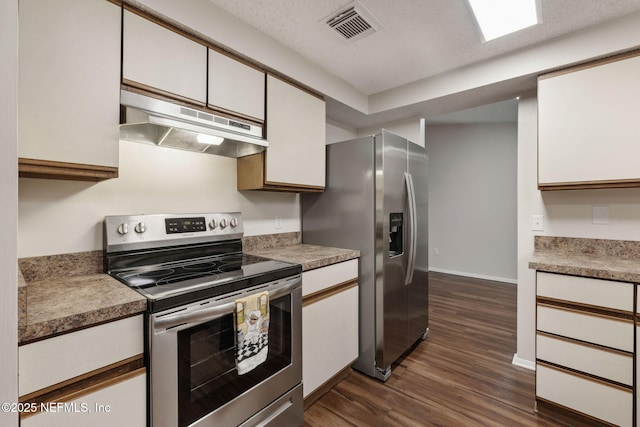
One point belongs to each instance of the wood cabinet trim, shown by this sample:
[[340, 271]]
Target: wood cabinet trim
[[295, 84], [34, 168], [328, 292], [230, 54], [82, 385], [586, 344], [591, 64], [576, 307], [149, 17], [161, 94], [585, 376], [584, 185], [566, 414], [327, 386]]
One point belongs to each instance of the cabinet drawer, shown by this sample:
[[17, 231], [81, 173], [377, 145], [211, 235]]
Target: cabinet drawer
[[597, 399], [606, 331], [321, 278], [603, 363], [48, 362], [585, 290]]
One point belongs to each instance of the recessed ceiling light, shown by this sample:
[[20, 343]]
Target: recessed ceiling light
[[497, 18]]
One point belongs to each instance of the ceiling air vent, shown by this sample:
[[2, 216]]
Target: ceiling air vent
[[353, 22]]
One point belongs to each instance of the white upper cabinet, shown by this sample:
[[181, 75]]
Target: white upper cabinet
[[68, 85], [589, 127], [235, 87], [295, 159], [296, 126], [160, 60]]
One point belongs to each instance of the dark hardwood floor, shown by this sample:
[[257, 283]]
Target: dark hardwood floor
[[461, 375]]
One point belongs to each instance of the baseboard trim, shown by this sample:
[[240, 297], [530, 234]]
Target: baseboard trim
[[475, 276], [523, 363]]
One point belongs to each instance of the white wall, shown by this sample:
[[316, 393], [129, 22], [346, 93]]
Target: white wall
[[529, 203], [409, 128], [8, 209], [337, 132], [472, 199], [66, 216]]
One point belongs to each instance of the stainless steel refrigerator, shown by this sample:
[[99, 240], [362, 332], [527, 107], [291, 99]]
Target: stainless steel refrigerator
[[375, 201]]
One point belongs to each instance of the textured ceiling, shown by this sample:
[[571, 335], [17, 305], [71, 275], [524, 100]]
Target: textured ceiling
[[417, 39]]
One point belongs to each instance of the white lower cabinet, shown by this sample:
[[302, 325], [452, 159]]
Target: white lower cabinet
[[90, 377], [120, 404], [329, 323], [585, 347]]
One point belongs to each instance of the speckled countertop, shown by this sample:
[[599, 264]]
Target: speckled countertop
[[62, 293], [599, 258], [309, 256], [288, 247]]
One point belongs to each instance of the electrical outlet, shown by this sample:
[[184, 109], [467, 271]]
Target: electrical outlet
[[278, 222], [537, 222], [436, 251], [601, 215]]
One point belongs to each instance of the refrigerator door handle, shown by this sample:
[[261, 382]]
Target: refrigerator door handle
[[413, 221]]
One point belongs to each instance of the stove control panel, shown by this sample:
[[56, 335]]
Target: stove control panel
[[185, 225], [152, 231]]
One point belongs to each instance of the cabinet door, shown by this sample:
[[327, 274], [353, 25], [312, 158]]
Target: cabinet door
[[158, 59], [235, 87], [296, 133], [588, 125], [69, 81], [123, 403], [330, 331]]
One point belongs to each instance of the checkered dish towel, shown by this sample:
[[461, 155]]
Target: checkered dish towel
[[252, 326]]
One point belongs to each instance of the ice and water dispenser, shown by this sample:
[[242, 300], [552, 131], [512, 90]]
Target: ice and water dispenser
[[395, 234]]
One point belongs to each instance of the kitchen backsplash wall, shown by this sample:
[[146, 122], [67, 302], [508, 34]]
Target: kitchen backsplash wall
[[56, 217]]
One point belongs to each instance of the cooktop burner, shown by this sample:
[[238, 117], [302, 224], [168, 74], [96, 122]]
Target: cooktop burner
[[213, 276], [178, 272]]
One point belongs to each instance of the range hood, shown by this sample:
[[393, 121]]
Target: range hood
[[166, 124]]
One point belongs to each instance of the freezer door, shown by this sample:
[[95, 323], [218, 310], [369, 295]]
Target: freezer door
[[391, 211], [418, 289]]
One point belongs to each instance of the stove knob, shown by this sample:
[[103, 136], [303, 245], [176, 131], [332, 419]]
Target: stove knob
[[213, 224], [141, 227], [234, 222], [223, 223], [123, 229]]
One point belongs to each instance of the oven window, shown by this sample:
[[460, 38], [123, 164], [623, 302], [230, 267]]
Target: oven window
[[207, 376]]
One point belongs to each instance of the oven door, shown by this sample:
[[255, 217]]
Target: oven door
[[194, 380]]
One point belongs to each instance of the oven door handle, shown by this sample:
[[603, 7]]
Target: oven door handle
[[206, 314], [210, 313]]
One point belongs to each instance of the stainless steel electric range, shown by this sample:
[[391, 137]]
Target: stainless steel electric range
[[195, 276]]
